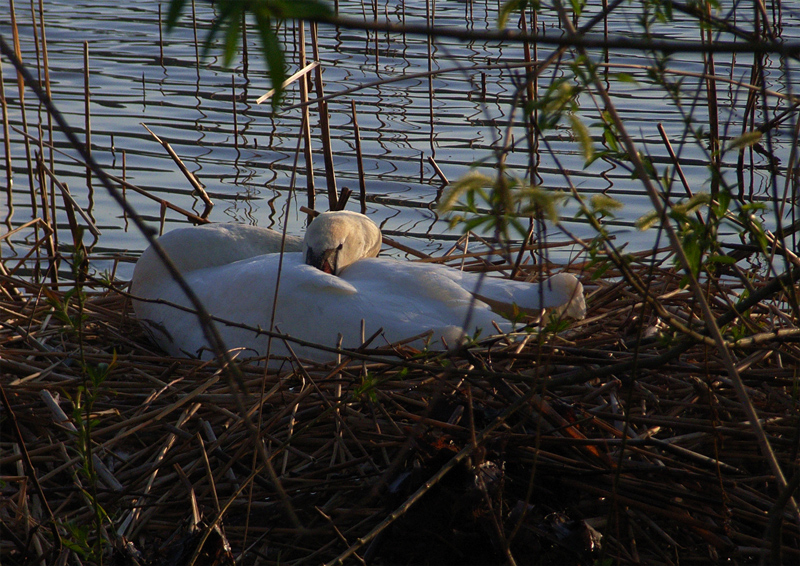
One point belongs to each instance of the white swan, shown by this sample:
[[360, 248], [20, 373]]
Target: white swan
[[402, 298], [205, 246], [339, 238]]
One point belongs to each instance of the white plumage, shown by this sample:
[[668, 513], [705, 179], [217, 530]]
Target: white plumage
[[402, 298]]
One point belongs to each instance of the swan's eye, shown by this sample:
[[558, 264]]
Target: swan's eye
[[340, 246]]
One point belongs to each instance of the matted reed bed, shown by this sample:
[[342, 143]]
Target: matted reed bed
[[616, 439]]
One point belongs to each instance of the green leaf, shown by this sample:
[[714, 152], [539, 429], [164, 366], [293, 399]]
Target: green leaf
[[216, 26], [508, 8], [174, 12], [718, 258], [577, 6], [723, 202], [611, 139], [540, 200], [605, 204], [625, 78], [300, 9], [232, 35], [753, 206], [694, 203], [744, 141], [469, 183], [273, 52], [647, 221], [584, 138], [600, 271]]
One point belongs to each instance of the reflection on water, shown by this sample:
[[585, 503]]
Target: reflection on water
[[245, 155]]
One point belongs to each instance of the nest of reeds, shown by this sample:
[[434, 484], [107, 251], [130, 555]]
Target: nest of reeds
[[620, 438]]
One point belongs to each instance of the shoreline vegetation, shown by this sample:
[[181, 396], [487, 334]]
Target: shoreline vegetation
[[664, 428]]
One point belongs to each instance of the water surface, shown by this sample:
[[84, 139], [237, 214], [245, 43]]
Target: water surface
[[249, 170]]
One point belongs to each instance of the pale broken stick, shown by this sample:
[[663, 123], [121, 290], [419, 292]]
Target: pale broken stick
[[188, 174]]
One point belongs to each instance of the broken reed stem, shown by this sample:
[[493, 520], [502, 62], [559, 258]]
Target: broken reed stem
[[35, 31], [165, 204], [429, 18], [362, 183], [245, 47], [235, 119], [196, 44], [196, 185], [124, 186], [707, 38], [47, 89], [6, 144], [301, 73], [532, 92], [49, 237], [87, 115], [90, 225], [88, 127], [160, 38], [325, 129], [438, 171], [306, 124], [675, 161], [23, 113], [377, 34]]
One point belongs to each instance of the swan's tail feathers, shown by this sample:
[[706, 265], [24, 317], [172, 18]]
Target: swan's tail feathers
[[571, 297], [158, 334], [452, 337]]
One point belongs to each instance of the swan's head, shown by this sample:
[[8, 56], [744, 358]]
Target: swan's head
[[336, 239], [567, 291]]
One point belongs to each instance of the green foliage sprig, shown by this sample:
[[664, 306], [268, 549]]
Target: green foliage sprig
[[497, 204], [229, 21]]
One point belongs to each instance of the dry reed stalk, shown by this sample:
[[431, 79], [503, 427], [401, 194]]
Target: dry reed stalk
[[23, 113], [675, 161], [87, 117], [235, 117], [196, 43], [69, 201], [50, 242], [301, 73], [429, 18], [362, 183], [438, 171], [325, 128], [160, 38], [6, 146], [707, 38], [196, 185], [165, 204]]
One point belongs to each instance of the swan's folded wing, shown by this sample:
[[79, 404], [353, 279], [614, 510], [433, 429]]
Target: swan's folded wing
[[313, 281], [211, 245], [562, 291], [242, 292], [406, 298]]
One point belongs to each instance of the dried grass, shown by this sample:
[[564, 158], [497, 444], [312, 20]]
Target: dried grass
[[617, 427]]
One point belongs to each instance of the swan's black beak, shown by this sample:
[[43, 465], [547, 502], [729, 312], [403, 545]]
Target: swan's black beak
[[325, 261]]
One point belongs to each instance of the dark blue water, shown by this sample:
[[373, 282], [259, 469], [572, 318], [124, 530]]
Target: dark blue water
[[250, 172]]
